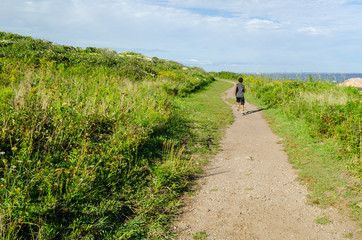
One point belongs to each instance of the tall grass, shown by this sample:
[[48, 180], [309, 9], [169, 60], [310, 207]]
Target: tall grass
[[80, 152]]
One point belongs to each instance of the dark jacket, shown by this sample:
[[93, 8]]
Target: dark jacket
[[240, 89]]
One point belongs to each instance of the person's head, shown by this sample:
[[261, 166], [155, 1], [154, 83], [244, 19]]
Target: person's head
[[240, 80]]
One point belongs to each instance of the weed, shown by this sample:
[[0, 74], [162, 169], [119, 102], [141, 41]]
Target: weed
[[324, 220], [199, 235], [348, 235]]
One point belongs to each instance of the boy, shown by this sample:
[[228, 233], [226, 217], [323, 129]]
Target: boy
[[239, 94]]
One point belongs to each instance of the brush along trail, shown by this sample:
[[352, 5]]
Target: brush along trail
[[249, 191]]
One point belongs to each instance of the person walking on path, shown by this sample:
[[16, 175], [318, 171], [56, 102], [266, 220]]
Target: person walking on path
[[239, 94]]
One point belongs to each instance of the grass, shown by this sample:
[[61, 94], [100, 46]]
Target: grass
[[199, 236], [320, 168], [324, 220], [348, 235], [97, 144], [207, 115]]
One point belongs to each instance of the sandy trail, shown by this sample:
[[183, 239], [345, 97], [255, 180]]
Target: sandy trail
[[249, 191]]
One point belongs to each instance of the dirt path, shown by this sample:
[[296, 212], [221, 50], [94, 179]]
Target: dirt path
[[249, 192]]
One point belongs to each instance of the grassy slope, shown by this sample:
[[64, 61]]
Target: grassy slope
[[98, 145], [207, 112], [194, 132]]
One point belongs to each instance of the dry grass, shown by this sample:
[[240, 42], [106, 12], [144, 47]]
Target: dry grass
[[331, 97]]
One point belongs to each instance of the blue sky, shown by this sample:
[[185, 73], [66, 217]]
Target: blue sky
[[244, 36]]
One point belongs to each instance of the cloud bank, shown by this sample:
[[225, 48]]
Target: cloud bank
[[234, 35]]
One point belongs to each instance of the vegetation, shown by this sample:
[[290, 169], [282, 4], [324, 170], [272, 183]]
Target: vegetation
[[96, 144], [321, 125], [324, 220], [93, 144], [199, 236]]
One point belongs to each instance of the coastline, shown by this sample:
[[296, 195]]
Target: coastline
[[332, 77]]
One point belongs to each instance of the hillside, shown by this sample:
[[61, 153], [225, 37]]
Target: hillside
[[86, 134]]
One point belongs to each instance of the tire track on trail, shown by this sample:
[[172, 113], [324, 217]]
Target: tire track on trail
[[249, 191]]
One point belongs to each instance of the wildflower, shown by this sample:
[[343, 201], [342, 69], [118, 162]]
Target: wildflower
[[2, 153]]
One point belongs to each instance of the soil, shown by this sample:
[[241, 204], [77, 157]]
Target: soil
[[249, 191]]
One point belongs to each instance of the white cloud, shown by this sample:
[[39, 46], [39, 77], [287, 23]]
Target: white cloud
[[198, 62], [253, 32], [312, 30], [261, 24]]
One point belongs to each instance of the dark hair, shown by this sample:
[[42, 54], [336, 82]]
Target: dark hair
[[240, 80]]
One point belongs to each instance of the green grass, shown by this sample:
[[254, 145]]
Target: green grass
[[196, 129], [80, 142], [206, 115], [348, 235], [97, 144], [324, 220], [199, 236]]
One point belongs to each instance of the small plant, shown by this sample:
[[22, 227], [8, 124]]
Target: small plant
[[348, 235], [199, 236], [324, 220]]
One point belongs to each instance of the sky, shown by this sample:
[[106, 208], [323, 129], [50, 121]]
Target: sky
[[242, 36]]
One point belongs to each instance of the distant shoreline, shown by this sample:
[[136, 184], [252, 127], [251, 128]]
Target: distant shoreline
[[332, 77]]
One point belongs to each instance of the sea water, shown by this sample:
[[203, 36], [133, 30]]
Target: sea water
[[331, 77]]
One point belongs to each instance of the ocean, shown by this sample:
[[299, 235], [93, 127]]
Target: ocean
[[332, 77]]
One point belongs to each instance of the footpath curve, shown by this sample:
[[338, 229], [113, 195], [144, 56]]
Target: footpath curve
[[249, 191]]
